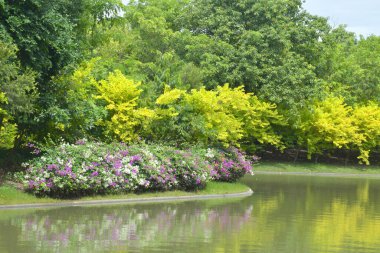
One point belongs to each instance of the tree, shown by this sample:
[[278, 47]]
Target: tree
[[19, 92], [8, 131], [367, 120], [43, 34], [328, 125], [224, 116], [355, 66]]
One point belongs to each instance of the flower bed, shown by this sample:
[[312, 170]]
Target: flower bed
[[98, 168]]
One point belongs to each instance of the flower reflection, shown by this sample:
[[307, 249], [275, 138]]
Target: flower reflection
[[96, 229]]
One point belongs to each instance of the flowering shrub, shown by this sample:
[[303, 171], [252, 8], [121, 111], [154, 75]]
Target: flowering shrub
[[97, 168], [230, 165]]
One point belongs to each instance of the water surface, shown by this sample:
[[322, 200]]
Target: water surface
[[285, 214]]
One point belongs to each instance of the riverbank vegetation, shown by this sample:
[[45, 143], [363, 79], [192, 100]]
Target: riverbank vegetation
[[84, 169], [308, 167], [253, 74], [10, 195]]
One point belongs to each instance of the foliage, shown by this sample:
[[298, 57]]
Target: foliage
[[42, 32], [355, 67], [328, 125], [89, 168], [306, 84], [19, 86], [223, 116], [120, 95], [72, 111], [8, 130], [228, 166], [367, 120], [332, 124]]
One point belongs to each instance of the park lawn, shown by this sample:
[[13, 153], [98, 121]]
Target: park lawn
[[269, 166], [10, 195]]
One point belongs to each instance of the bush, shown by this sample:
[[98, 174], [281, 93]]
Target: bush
[[228, 166], [224, 116], [8, 131], [98, 168]]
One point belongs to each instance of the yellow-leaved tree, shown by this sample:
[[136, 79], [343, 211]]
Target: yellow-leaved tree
[[120, 96], [367, 121], [258, 118], [328, 125], [8, 131], [223, 116]]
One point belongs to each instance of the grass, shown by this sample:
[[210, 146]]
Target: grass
[[315, 168], [10, 195]]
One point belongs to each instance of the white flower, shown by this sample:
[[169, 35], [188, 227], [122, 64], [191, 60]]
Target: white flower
[[210, 153], [60, 161], [87, 153]]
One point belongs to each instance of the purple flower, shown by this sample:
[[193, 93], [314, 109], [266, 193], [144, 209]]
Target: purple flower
[[108, 158], [124, 153], [118, 164], [135, 158], [32, 184], [228, 164], [118, 173], [198, 181], [94, 174], [30, 145], [36, 151], [62, 173], [52, 167], [213, 173], [80, 142]]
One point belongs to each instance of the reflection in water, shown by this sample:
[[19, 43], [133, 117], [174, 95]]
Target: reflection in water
[[315, 214], [290, 214], [143, 227]]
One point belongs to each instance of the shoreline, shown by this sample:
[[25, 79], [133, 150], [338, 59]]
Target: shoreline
[[321, 174], [127, 201]]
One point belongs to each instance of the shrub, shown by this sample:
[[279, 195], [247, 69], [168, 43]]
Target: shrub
[[367, 120], [97, 168], [228, 166], [8, 131], [120, 95], [224, 116]]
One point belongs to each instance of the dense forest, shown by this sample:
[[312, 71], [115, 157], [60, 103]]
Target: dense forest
[[258, 74]]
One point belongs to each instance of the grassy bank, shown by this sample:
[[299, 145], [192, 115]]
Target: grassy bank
[[9, 195], [268, 166]]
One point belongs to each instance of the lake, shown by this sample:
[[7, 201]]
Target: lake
[[286, 213]]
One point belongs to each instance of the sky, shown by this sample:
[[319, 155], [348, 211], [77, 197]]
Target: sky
[[360, 16]]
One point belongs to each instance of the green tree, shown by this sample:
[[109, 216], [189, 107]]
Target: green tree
[[355, 67], [42, 32], [20, 90]]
